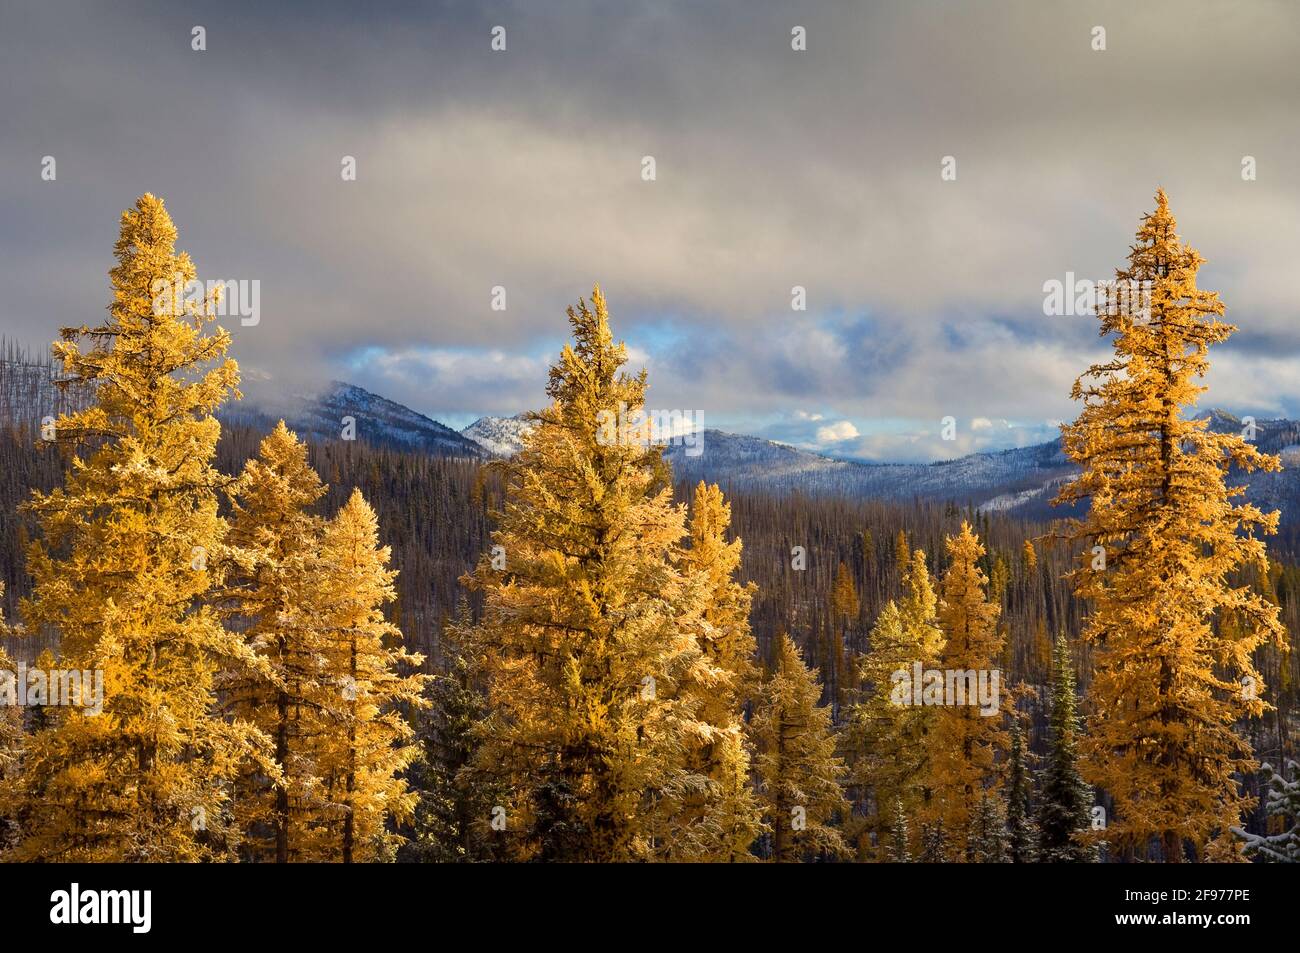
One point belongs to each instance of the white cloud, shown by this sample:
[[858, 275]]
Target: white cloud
[[837, 432]]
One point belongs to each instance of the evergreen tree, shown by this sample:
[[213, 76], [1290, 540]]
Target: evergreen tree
[[986, 840], [844, 597], [122, 575], [934, 843], [999, 577], [900, 837], [967, 740], [1022, 833], [845, 606], [589, 638], [1164, 533], [1065, 800], [798, 772], [889, 745], [717, 816], [273, 541], [452, 818], [902, 552], [369, 745], [1282, 808]]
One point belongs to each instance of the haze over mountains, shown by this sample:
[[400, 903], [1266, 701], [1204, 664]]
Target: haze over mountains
[[1019, 481]]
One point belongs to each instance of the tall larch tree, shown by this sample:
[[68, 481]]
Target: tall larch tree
[[1065, 800], [273, 543], [967, 741], [369, 746], [718, 818], [799, 774], [888, 745], [902, 553], [121, 573], [1163, 536], [589, 637]]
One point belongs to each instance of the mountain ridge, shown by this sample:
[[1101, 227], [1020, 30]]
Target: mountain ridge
[[374, 419], [1018, 481]]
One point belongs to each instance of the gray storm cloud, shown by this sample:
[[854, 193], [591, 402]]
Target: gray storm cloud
[[775, 168]]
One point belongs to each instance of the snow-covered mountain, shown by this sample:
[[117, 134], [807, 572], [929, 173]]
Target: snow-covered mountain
[[1021, 481], [375, 420], [503, 436], [744, 462], [753, 463]]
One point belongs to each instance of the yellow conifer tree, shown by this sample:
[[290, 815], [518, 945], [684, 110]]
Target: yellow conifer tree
[[122, 572], [1030, 557], [273, 596], [889, 745], [589, 635], [371, 742], [718, 820], [1163, 534], [798, 771], [966, 738]]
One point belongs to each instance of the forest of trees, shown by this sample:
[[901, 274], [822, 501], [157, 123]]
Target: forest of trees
[[329, 651]]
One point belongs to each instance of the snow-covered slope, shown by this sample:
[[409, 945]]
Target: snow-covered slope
[[1021, 481], [503, 436], [376, 420], [751, 462]]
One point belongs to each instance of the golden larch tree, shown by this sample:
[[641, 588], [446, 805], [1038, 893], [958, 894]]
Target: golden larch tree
[[589, 637], [1163, 537], [272, 596], [966, 739], [719, 818], [370, 742], [11, 737], [799, 773], [889, 745], [121, 574]]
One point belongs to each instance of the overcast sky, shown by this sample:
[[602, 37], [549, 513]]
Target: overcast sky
[[774, 168]]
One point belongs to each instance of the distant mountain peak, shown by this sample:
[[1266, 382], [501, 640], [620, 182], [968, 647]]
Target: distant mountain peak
[[502, 436], [374, 420]]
